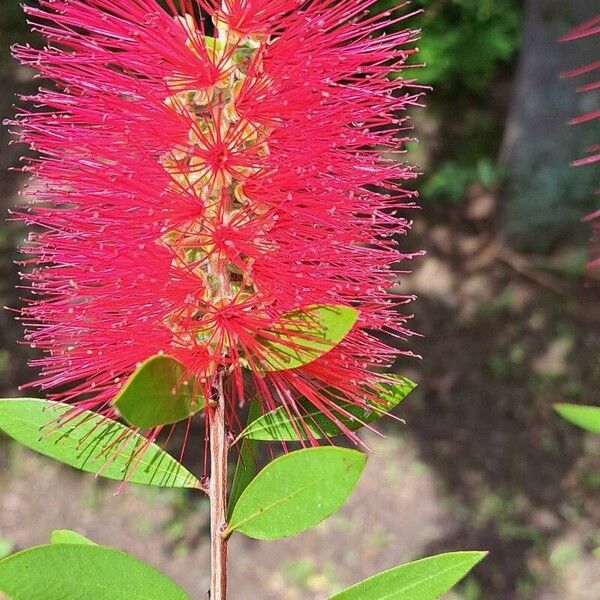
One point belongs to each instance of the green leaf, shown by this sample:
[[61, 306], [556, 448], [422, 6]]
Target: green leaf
[[6, 548], [304, 335], [92, 443], [296, 491], [586, 417], [245, 469], [80, 571], [66, 536], [280, 425], [158, 394], [425, 579]]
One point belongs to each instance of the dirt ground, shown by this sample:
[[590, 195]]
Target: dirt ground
[[483, 462]]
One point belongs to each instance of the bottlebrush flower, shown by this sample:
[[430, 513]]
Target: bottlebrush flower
[[203, 171]]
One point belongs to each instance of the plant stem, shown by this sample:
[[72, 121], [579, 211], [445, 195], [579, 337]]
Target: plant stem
[[219, 447]]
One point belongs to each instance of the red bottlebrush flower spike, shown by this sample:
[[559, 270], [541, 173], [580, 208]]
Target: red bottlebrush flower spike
[[191, 189]]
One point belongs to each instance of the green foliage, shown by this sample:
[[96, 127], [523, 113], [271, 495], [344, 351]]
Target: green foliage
[[158, 394], [296, 491], [282, 425], [453, 177], [245, 469], [13, 27], [466, 45], [6, 548], [586, 417], [66, 536], [91, 443], [305, 335], [463, 41], [78, 571], [425, 579]]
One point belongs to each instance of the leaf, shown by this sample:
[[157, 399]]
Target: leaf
[[425, 579], [158, 394], [304, 335], [66, 536], [245, 469], [296, 491], [586, 417], [91, 443], [280, 425], [6, 548], [82, 571], [394, 393]]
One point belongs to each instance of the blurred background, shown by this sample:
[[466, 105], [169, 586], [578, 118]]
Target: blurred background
[[510, 322]]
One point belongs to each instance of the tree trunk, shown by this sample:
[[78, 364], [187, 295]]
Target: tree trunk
[[544, 197]]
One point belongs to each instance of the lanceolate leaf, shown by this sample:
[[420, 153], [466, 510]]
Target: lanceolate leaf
[[279, 425], [245, 469], [393, 393], [586, 417], [425, 579], [66, 536], [304, 335], [296, 491], [158, 394], [82, 571], [92, 443]]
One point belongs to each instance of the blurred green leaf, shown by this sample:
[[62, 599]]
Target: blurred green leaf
[[452, 178], [66, 536], [90, 442], [158, 394], [586, 417], [425, 579], [296, 491], [6, 548], [464, 42], [245, 469], [280, 425], [80, 571], [304, 335]]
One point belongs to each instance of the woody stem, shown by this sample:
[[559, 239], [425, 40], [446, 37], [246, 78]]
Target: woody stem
[[219, 447]]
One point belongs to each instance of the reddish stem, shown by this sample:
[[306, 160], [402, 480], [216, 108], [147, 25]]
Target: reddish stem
[[219, 447]]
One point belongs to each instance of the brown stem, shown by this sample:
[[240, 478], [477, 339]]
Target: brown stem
[[219, 447]]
